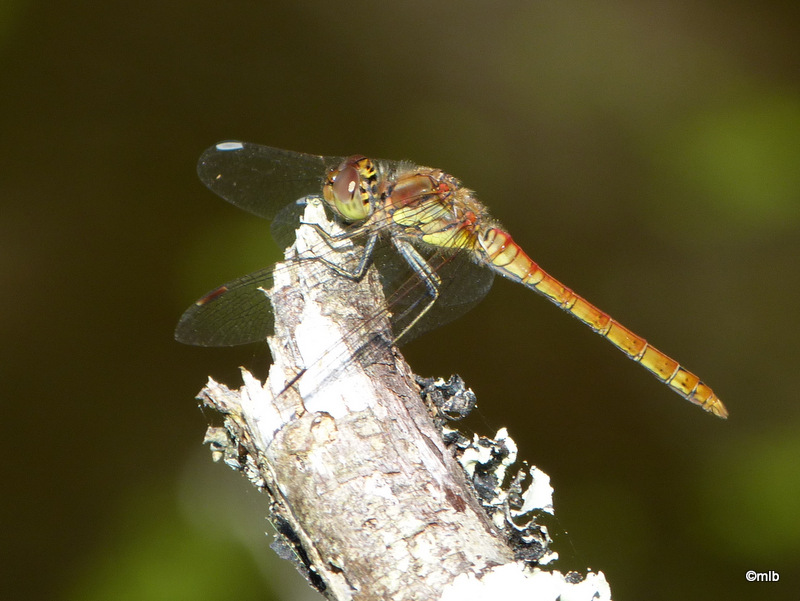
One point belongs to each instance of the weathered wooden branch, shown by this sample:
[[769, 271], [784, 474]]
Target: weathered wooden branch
[[365, 494]]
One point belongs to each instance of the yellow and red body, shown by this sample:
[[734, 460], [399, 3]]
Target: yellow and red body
[[427, 206]]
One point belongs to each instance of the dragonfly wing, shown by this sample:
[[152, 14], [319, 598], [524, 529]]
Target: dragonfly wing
[[286, 221], [262, 179], [464, 285], [239, 312], [235, 313]]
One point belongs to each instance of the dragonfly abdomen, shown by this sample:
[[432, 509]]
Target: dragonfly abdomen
[[507, 258]]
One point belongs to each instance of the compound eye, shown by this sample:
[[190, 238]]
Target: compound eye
[[344, 190], [345, 183]]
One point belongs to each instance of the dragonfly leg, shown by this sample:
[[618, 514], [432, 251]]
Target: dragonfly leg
[[363, 261], [424, 272], [406, 250]]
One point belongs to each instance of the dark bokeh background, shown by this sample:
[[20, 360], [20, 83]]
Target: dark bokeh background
[[646, 153]]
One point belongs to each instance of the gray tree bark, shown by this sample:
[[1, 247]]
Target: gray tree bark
[[366, 496]]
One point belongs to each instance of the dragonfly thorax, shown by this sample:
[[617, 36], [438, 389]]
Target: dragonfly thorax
[[351, 189]]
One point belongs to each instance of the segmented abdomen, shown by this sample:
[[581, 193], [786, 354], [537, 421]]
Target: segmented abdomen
[[503, 255]]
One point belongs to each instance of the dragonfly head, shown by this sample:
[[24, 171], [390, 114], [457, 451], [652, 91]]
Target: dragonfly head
[[351, 188]]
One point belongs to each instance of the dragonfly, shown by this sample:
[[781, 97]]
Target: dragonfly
[[434, 243]]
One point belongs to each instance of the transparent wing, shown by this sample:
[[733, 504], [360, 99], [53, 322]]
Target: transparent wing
[[235, 313], [262, 179], [285, 223], [464, 285], [238, 312]]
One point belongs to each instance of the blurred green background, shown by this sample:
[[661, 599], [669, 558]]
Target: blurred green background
[[645, 153]]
